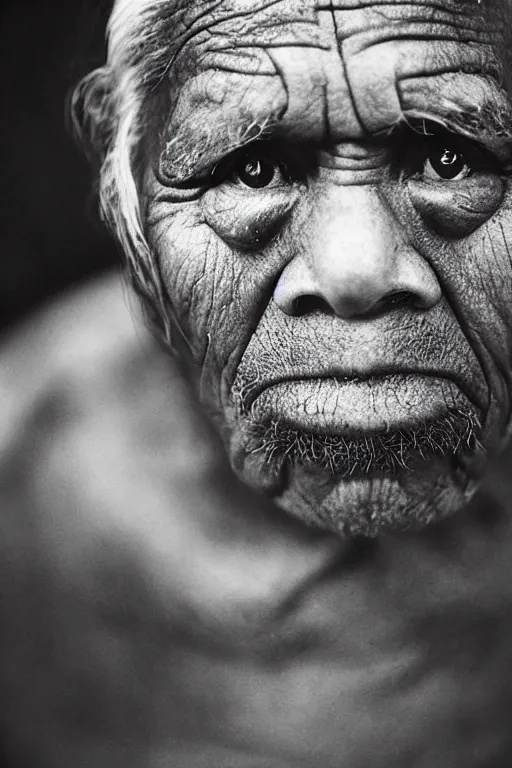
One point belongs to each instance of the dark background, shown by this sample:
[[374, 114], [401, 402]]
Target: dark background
[[50, 233]]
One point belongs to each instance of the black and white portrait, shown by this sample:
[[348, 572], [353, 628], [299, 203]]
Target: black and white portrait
[[255, 474]]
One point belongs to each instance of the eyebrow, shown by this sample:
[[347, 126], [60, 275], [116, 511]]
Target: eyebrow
[[202, 140], [487, 120]]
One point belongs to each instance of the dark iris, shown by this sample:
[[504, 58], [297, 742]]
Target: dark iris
[[447, 162], [255, 172]]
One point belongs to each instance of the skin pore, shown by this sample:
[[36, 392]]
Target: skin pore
[[329, 206]]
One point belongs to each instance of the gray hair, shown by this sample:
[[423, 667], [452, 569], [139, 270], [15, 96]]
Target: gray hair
[[107, 112]]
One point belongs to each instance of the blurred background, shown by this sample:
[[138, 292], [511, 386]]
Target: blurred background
[[50, 234]]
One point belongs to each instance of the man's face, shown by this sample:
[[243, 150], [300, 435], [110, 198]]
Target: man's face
[[330, 208]]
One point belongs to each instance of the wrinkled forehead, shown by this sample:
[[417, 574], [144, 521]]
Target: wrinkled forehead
[[346, 69], [246, 24]]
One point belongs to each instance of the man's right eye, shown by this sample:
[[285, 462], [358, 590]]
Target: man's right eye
[[254, 167], [255, 172], [252, 191]]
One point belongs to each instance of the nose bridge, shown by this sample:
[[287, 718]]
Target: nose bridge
[[354, 258]]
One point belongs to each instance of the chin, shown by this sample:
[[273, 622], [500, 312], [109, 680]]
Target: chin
[[367, 484], [376, 505]]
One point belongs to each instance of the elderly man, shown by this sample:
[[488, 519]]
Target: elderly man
[[315, 205]]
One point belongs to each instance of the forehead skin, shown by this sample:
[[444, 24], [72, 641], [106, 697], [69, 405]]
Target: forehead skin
[[319, 71]]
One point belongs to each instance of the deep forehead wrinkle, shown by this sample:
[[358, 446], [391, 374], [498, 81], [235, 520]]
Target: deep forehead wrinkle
[[271, 63], [186, 18], [239, 23]]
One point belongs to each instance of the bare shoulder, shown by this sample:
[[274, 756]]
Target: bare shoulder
[[81, 350], [79, 334]]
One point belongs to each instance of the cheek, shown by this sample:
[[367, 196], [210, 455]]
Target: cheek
[[218, 294], [198, 273], [480, 271], [476, 274]]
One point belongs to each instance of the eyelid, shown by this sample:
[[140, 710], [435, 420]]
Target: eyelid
[[276, 152], [228, 161], [431, 129], [479, 156]]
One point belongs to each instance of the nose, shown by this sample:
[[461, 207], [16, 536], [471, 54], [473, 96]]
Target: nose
[[354, 261]]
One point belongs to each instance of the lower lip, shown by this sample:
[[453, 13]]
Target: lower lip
[[354, 406]]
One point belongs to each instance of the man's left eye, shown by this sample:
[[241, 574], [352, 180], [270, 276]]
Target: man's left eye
[[446, 163]]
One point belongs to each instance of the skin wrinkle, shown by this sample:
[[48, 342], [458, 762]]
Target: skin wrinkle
[[296, 364], [497, 261], [280, 73], [461, 117], [479, 347], [255, 268], [183, 43], [339, 40], [504, 372], [488, 121], [454, 7], [494, 256], [384, 38], [342, 159], [434, 17], [239, 13], [283, 80], [305, 245]]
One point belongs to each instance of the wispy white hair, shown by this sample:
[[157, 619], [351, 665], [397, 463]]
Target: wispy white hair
[[108, 119]]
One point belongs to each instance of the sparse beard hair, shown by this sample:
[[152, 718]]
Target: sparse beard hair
[[454, 434]]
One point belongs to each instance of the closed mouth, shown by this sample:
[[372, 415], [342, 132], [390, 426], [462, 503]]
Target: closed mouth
[[246, 393], [356, 426]]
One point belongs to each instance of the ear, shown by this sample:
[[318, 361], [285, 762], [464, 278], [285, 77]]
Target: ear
[[92, 114]]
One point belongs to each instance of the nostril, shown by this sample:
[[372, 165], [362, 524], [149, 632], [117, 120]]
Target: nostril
[[397, 299], [305, 305]]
